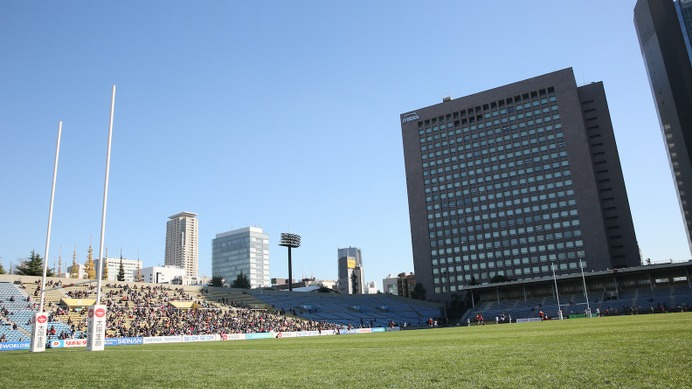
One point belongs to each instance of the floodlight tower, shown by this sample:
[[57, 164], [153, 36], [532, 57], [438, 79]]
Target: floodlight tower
[[290, 241]]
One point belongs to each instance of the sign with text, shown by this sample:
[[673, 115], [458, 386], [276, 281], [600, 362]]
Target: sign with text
[[123, 341], [232, 336], [201, 338], [38, 332], [74, 343], [260, 335], [56, 343], [11, 346], [528, 319], [96, 333], [162, 339]]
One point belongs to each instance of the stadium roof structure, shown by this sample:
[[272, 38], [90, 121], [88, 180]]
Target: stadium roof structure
[[593, 274], [77, 302], [304, 289]]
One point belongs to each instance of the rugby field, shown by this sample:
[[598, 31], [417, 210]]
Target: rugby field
[[643, 351]]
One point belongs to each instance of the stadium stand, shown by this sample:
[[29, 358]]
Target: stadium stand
[[646, 289], [355, 310], [139, 309]]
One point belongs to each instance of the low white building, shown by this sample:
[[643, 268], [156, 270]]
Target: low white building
[[81, 274], [130, 267], [163, 275], [371, 288], [389, 285]]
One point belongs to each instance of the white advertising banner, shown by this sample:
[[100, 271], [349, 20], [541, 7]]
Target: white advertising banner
[[232, 336], [201, 338], [38, 332], [162, 339], [74, 343], [96, 333]]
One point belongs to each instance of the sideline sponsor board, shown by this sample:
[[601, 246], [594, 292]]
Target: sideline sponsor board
[[70, 343], [9, 346], [528, 319], [232, 336], [56, 343], [162, 339], [123, 341], [261, 335], [201, 338], [74, 343], [307, 333], [353, 331]]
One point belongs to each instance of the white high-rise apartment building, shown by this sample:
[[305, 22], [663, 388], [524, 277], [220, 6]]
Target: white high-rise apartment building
[[182, 248], [243, 250]]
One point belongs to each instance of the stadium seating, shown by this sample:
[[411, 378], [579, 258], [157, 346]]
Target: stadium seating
[[148, 310], [662, 298], [354, 310]]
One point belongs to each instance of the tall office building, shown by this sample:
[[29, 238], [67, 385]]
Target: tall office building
[[182, 248], [664, 28], [351, 274], [503, 184], [243, 250]]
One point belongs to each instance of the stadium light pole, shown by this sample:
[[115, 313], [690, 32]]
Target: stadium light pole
[[557, 295], [290, 241], [586, 295]]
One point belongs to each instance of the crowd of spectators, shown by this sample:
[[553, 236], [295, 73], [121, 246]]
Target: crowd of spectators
[[160, 310], [149, 311], [169, 320]]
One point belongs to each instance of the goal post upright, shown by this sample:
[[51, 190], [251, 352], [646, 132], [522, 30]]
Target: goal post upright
[[97, 313], [39, 321]]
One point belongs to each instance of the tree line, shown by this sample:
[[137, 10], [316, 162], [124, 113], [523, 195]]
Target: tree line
[[33, 266]]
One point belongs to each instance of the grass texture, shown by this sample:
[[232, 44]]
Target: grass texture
[[643, 351]]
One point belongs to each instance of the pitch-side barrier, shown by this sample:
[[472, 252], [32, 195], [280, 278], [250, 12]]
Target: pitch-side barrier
[[70, 343]]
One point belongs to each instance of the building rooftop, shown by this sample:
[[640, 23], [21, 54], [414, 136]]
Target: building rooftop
[[183, 214]]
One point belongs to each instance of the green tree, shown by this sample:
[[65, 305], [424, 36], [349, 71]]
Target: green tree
[[121, 271], [2, 269], [418, 292], [241, 282], [138, 276], [354, 282], [498, 278], [89, 266], [216, 281], [32, 266], [74, 269]]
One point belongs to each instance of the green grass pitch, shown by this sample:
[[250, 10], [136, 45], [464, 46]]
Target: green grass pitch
[[643, 351]]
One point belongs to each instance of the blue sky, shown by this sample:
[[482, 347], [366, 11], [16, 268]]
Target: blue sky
[[283, 115]]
